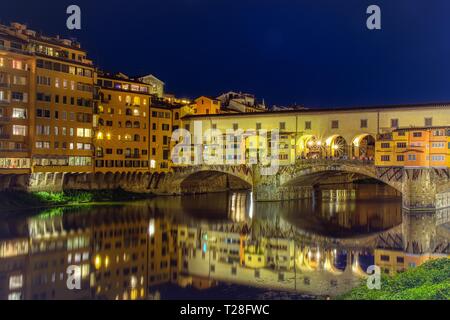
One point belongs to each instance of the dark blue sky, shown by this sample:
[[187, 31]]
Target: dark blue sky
[[310, 52]]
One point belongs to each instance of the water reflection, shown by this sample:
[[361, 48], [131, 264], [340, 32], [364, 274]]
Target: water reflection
[[133, 251]]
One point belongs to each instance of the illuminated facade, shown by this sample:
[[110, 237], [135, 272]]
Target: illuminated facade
[[414, 148], [46, 90], [205, 105], [17, 70], [335, 133], [121, 123]]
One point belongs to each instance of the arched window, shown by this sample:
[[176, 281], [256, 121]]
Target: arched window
[[129, 112], [128, 124], [136, 124]]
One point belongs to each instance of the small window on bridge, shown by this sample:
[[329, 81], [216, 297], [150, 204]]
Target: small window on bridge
[[335, 124], [394, 123]]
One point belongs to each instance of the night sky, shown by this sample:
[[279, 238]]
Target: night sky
[[316, 53]]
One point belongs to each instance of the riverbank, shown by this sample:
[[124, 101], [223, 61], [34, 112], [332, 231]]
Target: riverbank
[[430, 281], [23, 200]]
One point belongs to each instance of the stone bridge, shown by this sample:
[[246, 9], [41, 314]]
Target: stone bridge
[[423, 189]]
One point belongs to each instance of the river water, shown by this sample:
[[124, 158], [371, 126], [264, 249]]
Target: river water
[[220, 245]]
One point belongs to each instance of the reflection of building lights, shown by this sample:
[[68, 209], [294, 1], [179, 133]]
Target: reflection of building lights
[[250, 210], [133, 282], [151, 227], [335, 147], [319, 143], [97, 262], [205, 247], [318, 255], [310, 143], [106, 262]]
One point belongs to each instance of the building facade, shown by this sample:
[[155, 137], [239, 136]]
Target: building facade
[[121, 123]]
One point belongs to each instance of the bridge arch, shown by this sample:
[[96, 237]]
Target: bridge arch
[[310, 174], [336, 146], [363, 146]]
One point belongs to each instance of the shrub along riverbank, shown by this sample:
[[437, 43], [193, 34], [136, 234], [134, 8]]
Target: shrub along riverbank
[[430, 281], [23, 200]]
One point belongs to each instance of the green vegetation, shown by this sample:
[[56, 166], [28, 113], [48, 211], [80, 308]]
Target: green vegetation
[[430, 281], [21, 200]]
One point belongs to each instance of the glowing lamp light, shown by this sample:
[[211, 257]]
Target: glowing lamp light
[[335, 147], [310, 143], [97, 262], [151, 227], [319, 143]]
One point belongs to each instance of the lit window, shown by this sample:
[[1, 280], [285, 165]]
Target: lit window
[[19, 130], [19, 113], [2, 62], [100, 136], [17, 64], [56, 82], [80, 132]]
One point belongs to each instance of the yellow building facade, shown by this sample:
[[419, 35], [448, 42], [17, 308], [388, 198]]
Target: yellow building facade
[[334, 133], [414, 148], [121, 123]]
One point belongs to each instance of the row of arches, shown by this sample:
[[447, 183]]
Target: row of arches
[[361, 147]]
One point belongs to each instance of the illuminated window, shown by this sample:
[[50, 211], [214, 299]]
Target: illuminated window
[[19, 130], [108, 136], [137, 101], [57, 83], [17, 64], [2, 62], [80, 132], [100, 136], [19, 113]]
